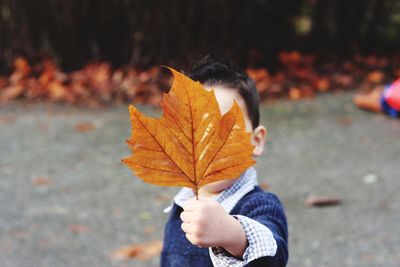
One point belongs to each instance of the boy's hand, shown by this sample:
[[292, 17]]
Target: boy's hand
[[204, 222], [207, 224]]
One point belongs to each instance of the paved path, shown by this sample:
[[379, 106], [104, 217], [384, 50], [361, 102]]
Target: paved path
[[66, 200]]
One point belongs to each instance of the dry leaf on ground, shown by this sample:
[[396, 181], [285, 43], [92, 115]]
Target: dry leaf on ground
[[314, 201], [84, 127], [41, 181], [143, 251], [78, 228], [264, 185]]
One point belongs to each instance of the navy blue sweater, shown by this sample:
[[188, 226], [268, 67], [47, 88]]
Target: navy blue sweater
[[258, 205]]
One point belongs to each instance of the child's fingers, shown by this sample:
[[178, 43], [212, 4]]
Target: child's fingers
[[186, 227], [189, 237], [193, 240], [185, 217]]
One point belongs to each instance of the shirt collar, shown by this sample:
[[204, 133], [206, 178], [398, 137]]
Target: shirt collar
[[227, 198]]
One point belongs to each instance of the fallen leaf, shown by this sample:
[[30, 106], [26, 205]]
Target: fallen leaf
[[78, 228], [376, 76], [57, 91], [192, 144], [41, 181], [313, 201], [3, 82], [11, 92], [294, 93], [141, 251], [344, 80], [84, 127], [22, 66], [265, 185], [322, 84]]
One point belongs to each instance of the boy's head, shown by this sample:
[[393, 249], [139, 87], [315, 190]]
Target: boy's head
[[230, 83], [216, 74]]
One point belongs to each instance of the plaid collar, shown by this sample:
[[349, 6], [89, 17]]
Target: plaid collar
[[227, 198]]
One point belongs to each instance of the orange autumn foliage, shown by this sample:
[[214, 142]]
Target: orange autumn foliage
[[99, 84], [192, 144]]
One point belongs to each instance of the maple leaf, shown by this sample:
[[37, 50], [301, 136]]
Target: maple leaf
[[192, 144]]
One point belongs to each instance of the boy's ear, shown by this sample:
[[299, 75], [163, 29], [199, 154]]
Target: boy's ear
[[259, 137]]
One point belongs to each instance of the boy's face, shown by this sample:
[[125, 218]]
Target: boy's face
[[225, 97]]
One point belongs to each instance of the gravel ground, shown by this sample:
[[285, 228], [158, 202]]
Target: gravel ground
[[66, 199]]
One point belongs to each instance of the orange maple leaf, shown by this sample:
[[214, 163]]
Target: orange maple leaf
[[192, 144]]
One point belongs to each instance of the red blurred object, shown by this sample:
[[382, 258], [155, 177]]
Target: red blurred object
[[392, 95]]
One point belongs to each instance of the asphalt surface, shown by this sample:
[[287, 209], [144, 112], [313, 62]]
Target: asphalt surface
[[67, 200]]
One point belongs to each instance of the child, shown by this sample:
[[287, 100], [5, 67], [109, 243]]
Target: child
[[234, 222], [386, 99]]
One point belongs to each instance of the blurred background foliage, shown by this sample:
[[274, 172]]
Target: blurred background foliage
[[153, 32]]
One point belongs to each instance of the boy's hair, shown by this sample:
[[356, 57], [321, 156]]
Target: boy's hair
[[210, 72]]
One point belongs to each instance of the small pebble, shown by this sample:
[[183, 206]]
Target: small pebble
[[370, 178]]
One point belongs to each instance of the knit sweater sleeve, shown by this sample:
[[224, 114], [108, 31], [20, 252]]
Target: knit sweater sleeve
[[264, 222]]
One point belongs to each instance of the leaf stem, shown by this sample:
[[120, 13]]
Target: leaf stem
[[196, 192]]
